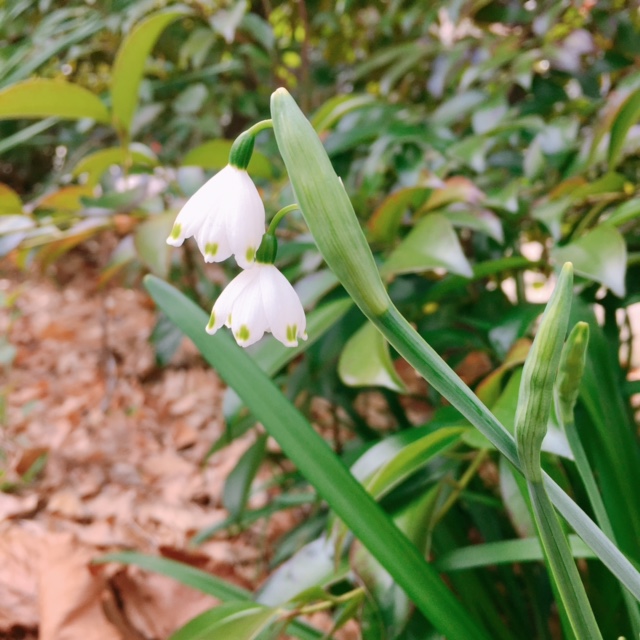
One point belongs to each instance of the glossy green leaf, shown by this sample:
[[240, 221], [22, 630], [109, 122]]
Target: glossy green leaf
[[150, 238], [96, 163], [279, 503], [431, 244], [385, 220], [504, 552], [609, 184], [231, 621], [10, 202], [238, 483], [627, 116], [411, 458], [226, 21], [394, 608], [42, 98], [26, 133], [337, 107], [551, 213], [184, 573], [600, 255], [478, 220], [128, 67], [215, 155], [457, 107], [626, 212], [365, 361], [311, 566]]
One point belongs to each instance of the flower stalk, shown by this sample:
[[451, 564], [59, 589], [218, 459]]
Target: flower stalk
[[336, 230], [325, 205]]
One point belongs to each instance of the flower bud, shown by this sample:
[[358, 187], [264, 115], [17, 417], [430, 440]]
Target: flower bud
[[539, 375], [572, 363], [325, 205]]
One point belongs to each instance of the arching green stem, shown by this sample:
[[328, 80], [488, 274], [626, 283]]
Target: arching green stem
[[275, 221]]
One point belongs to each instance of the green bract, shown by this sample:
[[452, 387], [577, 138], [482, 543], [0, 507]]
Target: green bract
[[539, 374], [325, 205], [572, 362]]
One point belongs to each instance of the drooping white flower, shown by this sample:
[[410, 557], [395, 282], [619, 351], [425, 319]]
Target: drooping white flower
[[225, 216], [258, 300]]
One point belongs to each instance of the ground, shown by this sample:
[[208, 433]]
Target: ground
[[103, 450]]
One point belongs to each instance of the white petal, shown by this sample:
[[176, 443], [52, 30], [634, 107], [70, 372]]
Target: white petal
[[249, 321], [282, 307], [212, 238], [223, 306], [203, 203], [226, 216], [246, 220]]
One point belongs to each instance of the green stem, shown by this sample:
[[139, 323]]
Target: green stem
[[600, 511], [562, 565], [324, 470], [461, 485], [425, 360], [260, 126], [275, 221]]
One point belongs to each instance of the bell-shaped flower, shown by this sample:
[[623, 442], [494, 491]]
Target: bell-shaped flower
[[225, 216], [257, 300]]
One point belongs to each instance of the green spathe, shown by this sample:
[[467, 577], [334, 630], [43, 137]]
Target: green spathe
[[539, 375], [572, 363], [325, 205]]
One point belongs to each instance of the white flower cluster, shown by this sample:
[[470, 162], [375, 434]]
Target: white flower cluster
[[226, 217]]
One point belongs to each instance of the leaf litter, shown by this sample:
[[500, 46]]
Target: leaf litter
[[102, 451]]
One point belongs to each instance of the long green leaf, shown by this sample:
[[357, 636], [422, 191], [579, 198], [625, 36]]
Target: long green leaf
[[627, 116], [42, 98], [238, 484], [130, 60], [201, 581], [321, 467], [504, 552], [232, 621]]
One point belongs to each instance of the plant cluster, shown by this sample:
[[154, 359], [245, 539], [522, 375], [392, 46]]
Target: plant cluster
[[480, 146]]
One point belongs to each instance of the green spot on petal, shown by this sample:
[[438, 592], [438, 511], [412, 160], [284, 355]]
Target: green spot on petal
[[251, 254], [176, 231], [292, 330], [212, 321], [211, 248], [243, 333]]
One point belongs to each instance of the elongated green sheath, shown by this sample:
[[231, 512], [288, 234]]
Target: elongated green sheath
[[323, 202], [539, 376], [302, 150]]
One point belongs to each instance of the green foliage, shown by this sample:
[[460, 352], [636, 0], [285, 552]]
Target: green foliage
[[482, 145]]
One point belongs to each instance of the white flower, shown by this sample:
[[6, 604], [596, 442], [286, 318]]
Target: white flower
[[258, 300], [225, 216]]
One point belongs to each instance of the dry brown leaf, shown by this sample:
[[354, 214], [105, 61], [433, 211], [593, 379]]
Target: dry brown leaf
[[13, 506], [19, 563], [156, 605], [70, 603]]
